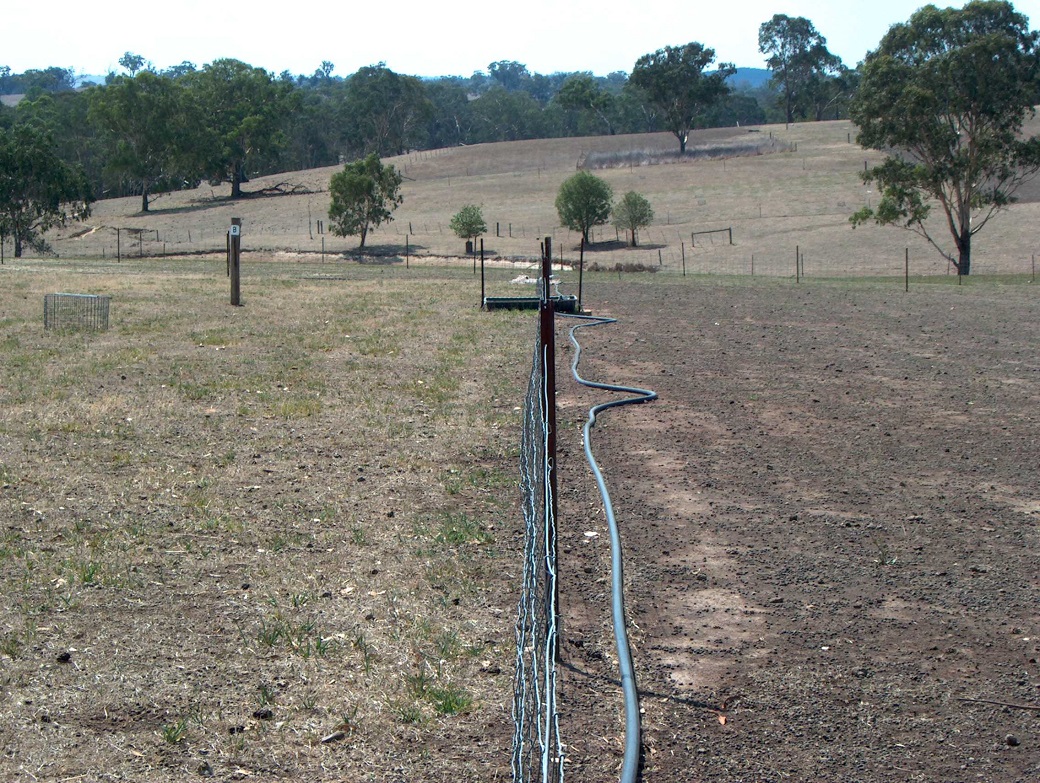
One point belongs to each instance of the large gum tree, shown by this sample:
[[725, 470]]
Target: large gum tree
[[242, 112], [144, 119], [675, 81], [946, 94], [800, 61]]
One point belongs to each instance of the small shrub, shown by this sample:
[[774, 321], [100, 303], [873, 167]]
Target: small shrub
[[449, 700], [175, 733]]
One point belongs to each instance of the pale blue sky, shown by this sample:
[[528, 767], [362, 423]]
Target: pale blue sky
[[422, 37]]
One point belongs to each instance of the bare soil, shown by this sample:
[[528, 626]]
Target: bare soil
[[830, 521]]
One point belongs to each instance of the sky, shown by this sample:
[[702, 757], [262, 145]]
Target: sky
[[423, 37]]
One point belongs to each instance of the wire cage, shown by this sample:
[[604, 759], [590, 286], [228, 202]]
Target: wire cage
[[76, 311]]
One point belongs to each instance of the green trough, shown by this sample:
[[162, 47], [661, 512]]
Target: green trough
[[564, 304]]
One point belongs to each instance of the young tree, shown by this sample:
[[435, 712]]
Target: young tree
[[38, 190], [949, 90], [631, 213], [468, 222], [673, 80], [800, 62], [583, 201], [364, 195]]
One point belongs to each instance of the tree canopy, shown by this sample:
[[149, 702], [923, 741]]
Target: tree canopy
[[582, 202], [132, 62], [468, 222], [364, 195], [385, 110], [38, 190], [631, 213], [800, 61], [582, 93], [675, 81], [949, 90], [145, 120], [242, 113]]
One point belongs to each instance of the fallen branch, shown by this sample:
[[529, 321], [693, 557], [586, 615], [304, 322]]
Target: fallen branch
[[282, 189], [1029, 707]]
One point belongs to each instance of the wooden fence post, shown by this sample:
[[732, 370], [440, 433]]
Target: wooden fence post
[[235, 235]]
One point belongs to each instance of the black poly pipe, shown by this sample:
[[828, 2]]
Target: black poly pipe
[[633, 744]]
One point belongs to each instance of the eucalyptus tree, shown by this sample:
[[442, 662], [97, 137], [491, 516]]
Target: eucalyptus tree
[[677, 82], [946, 94], [364, 196], [38, 190], [582, 202], [241, 115], [800, 61], [146, 123]]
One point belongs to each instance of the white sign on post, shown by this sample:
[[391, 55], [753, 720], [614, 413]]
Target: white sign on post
[[236, 231]]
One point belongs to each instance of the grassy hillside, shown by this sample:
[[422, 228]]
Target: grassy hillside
[[774, 204]]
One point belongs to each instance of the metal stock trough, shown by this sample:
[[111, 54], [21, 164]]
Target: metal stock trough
[[564, 304]]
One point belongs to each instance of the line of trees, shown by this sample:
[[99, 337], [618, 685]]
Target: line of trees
[[948, 92], [146, 131]]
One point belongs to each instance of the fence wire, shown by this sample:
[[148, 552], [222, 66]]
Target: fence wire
[[537, 749]]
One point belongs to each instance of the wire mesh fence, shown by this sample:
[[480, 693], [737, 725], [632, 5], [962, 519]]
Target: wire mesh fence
[[537, 748]]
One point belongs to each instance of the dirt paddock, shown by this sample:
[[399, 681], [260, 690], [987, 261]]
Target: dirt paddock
[[831, 528]]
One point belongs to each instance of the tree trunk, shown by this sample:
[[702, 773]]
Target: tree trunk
[[364, 235], [17, 245], [682, 136], [964, 254], [144, 200]]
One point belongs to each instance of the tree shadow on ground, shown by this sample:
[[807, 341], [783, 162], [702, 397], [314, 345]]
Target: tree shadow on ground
[[197, 206], [381, 255], [203, 204], [616, 244]]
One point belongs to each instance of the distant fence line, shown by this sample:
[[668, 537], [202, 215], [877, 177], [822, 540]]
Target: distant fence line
[[670, 246], [119, 241]]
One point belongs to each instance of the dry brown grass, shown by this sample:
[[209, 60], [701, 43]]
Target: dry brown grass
[[774, 204], [229, 534]]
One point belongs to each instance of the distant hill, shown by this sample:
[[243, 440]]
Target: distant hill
[[750, 78]]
